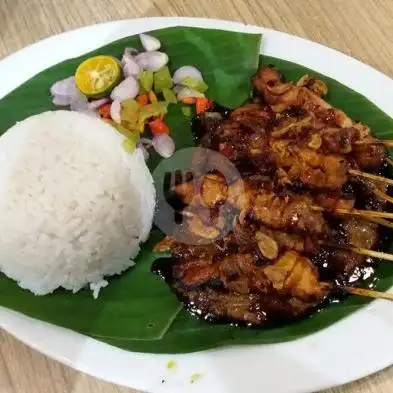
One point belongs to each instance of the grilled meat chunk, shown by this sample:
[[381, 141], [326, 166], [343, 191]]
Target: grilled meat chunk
[[286, 288]]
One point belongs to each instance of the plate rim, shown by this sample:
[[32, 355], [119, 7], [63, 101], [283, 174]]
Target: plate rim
[[375, 314]]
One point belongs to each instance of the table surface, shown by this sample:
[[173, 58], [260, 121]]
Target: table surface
[[360, 28]]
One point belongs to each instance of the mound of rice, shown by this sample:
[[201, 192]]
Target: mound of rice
[[74, 206]]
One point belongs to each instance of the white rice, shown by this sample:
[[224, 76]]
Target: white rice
[[74, 206]]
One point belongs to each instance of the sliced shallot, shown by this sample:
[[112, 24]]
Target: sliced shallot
[[129, 88], [80, 104], [115, 111], [131, 51], [149, 42], [65, 87], [95, 104], [186, 72], [130, 66], [62, 100], [164, 145], [152, 61]]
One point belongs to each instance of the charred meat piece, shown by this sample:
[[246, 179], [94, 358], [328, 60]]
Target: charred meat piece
[[219, 306], [359, 233], [245, 144], [292, 127], [272, 210], [295, 275], [285, 289], [196, 271], [305, 243], [203, 229], [291, 213], [253, 114], [339, 140], [313, 169], [214, 189], [250, 309], [210, 190], [311, 141], [318, 87], [351, 141], [335, 200], [369, 157], [282, 96]]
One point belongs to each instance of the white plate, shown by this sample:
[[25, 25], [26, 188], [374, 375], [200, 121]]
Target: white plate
[[355, 347]]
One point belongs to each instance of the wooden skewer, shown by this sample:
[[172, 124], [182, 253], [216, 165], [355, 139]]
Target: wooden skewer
[[380, 221], [364, 213], [372, 253], [382, 195], [363, 292], [385, 142], [366, 175], [367, 293], [362, 251], [355, 212]]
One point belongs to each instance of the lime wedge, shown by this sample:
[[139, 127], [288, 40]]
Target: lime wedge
[[97, 76]]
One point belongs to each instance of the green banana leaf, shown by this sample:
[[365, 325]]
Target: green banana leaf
[[227, 61], [137, 311]]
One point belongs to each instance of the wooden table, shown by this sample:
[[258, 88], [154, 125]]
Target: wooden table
[[360, 28]]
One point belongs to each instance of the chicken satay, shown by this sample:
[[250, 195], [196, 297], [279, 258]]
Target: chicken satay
[[286, 142], [286, 157], [353, 142], [282, 96], [252, 114], [291, 274], [214, 189], [290, 213], [295, 275], [246, 136], [292, 125], [335, 200], [333, 140], [287, 212], [196, 271], [209, 190], [277, 212], [349, 141], [285, 95], [287, 288], [245, 147], [250, 309], [313, 169], [317, 86], [214, 305], [319, 158], [366, 155], [271, 242], [369, 157], [358, 233]]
